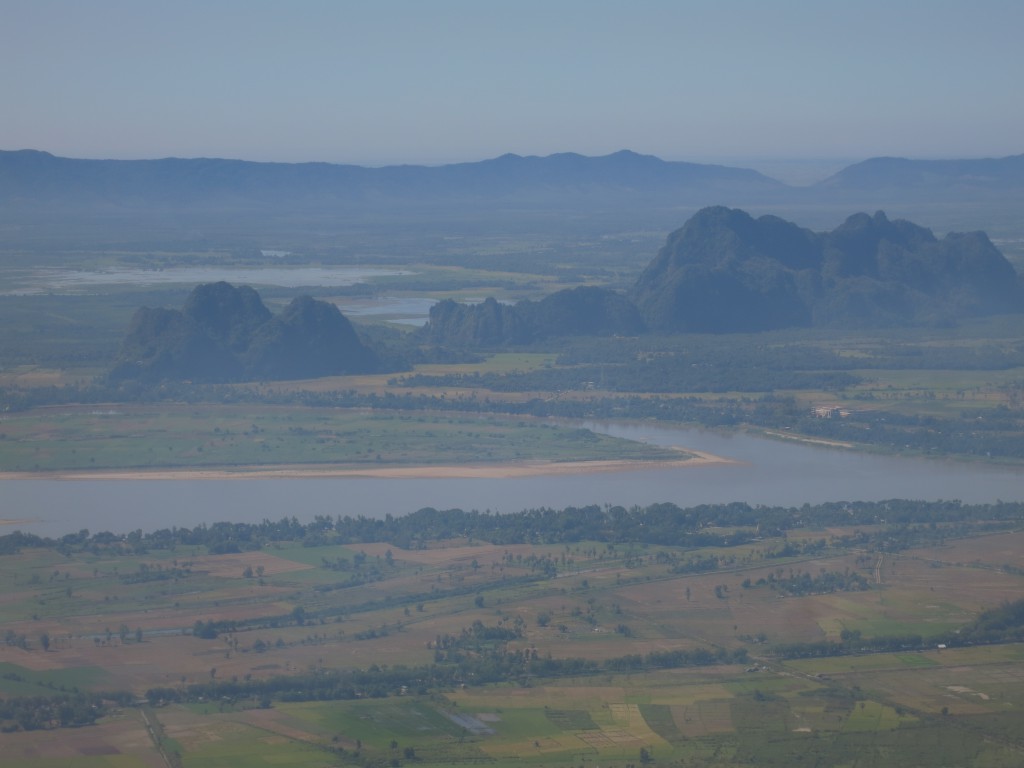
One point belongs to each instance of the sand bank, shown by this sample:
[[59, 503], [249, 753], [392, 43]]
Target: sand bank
[[496, 470]]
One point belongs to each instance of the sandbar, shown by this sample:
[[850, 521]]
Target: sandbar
[[454, 471]]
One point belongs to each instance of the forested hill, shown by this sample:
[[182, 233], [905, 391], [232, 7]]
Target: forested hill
[[726, 271], [225, 333]]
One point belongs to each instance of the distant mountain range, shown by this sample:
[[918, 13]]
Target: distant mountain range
[[32, 178]]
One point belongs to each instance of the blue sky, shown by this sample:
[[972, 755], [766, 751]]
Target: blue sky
[[402, 81]]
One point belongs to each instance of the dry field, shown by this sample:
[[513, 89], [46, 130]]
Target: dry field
[[994, 550]]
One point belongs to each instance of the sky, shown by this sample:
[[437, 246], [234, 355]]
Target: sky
[[380, 82]]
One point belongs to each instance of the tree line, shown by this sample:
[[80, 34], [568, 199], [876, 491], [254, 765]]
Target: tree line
[[483, 667], [904, 522]]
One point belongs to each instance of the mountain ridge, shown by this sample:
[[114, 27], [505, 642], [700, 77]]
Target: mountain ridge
[[872, 172], [48, 203], [879, 173], [37, 175]]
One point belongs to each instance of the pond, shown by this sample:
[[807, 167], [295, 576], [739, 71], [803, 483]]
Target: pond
[[54, 280]]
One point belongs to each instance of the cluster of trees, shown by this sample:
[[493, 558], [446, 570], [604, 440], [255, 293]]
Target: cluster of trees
[[798, 548], [210, 630], [158, 572], [19, 639], [989, 432], [64, 710], [1004, 623], [478, 635], [804, 583]]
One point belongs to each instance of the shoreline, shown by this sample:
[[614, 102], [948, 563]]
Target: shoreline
[[422, 472]]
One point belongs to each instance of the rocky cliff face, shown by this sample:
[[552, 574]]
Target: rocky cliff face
[[726, 271], [583, 311]]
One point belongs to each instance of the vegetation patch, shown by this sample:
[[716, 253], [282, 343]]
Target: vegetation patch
[[571, 719]]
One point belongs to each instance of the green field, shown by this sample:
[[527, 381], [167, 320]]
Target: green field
[[225, 437]]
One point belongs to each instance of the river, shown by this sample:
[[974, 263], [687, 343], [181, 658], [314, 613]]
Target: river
[[767, 472]]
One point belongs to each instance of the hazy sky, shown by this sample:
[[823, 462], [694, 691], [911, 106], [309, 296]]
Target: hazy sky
[[390, 81]]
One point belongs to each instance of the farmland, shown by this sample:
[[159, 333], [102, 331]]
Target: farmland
[[615, 653]]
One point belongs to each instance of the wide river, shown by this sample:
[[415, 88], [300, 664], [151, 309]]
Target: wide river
[[767, 472]]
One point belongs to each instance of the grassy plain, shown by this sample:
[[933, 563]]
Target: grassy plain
[[132, 437]]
